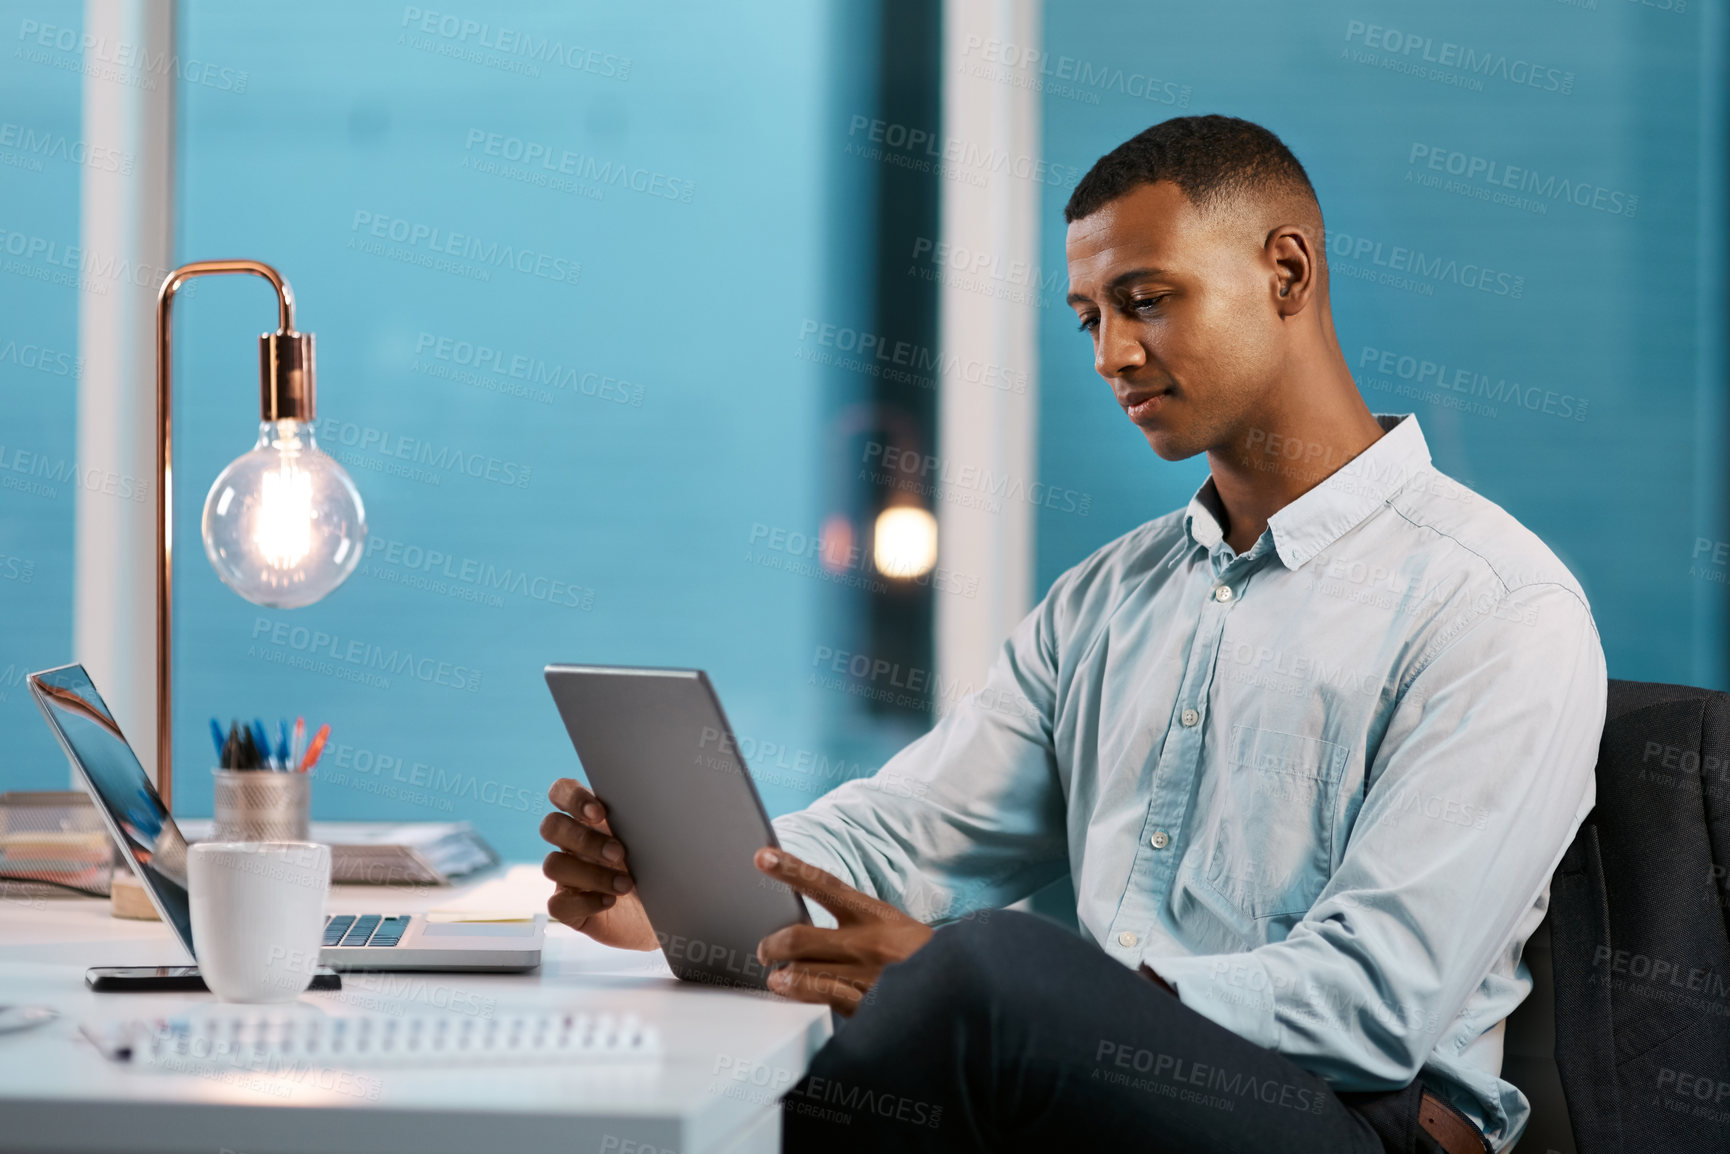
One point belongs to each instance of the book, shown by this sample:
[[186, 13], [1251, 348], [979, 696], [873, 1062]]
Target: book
[[52, 842]]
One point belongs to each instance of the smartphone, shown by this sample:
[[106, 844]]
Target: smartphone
[[127, 979]]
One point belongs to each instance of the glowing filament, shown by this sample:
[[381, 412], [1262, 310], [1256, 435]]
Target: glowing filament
[[283, 527]]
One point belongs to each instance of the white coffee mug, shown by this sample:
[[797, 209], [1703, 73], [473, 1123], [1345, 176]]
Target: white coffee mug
[[258, 916]]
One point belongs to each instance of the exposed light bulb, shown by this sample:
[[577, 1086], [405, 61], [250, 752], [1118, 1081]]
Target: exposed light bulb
[[904, 542], [284, 525]]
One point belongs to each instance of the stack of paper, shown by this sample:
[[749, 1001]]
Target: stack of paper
[[392, 853]]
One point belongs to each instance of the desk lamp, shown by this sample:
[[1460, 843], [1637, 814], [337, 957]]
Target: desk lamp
[[283, 524]]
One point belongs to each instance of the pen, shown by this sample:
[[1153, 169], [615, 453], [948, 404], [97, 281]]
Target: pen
[[282, 743], [316, 748], [261, 743], [231, 751], [297, 744]]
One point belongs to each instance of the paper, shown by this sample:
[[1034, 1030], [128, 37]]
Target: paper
[[518, 895], [448, 917]]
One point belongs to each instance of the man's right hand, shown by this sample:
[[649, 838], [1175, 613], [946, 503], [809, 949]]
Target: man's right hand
[[596, 894]]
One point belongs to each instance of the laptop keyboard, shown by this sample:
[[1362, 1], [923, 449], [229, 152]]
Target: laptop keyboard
[[365, 930]]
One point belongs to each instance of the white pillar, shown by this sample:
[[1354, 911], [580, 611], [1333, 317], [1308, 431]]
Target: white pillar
[[125, 219], [990, 429]]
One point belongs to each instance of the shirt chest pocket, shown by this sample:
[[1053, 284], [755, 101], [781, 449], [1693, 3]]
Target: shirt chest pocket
[[1272, 821]]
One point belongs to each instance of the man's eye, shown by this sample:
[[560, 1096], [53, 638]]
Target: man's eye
[[1148, 302], [1088, 324]]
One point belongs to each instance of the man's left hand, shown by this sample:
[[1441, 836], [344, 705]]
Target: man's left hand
[[835, 967]]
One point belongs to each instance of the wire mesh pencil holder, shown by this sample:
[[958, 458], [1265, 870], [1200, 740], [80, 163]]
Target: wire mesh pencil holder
[[262, 805]]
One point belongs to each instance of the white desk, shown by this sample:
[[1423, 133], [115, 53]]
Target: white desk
[[729, 1055]]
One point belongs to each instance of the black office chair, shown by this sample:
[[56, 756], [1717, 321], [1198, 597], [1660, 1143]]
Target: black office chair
[[1644, 874], [1529, 1055]]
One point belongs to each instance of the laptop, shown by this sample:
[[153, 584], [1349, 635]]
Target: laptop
[[152, 843]]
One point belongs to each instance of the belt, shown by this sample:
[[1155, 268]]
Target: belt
[[1452, 1130]]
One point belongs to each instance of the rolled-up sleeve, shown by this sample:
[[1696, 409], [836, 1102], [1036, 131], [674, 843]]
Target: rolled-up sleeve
[[971, 814], [1476, 789]]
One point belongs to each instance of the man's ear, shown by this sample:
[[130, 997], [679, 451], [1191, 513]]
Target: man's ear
[[1295, 268]]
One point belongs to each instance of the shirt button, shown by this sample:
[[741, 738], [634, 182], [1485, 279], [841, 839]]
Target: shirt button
[[1159, 839], [1127, 939], [1222, 592], [1190, 717]]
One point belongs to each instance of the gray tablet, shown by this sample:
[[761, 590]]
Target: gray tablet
[[658, 752]]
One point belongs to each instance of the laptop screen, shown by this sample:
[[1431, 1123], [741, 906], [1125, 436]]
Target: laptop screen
[[134, 810]]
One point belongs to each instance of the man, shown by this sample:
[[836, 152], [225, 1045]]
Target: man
[[1309, 749]]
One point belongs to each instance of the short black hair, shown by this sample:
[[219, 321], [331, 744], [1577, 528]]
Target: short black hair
[[1211, 158]]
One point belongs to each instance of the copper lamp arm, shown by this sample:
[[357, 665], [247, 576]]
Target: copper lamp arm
[[286, 391]]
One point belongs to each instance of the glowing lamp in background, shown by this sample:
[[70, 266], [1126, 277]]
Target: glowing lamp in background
[[904, 542]]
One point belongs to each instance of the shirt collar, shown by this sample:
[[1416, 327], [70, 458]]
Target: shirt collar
[[1336, 506]]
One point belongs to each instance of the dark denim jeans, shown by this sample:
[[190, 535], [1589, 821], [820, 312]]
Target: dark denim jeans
[[1007, 1033]]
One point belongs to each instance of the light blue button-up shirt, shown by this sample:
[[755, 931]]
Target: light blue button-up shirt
[[1320, 787]]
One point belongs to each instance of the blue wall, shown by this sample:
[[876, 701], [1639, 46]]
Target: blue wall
[[1606, 311], [669, 177], [40, 157]]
